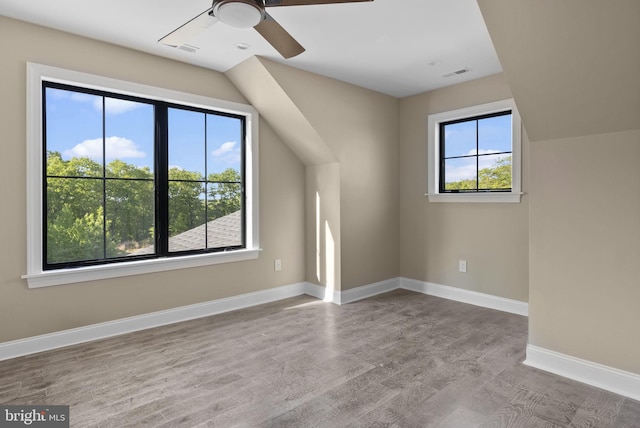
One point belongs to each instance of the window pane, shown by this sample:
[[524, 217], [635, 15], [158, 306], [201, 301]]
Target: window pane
[[187, 203], [460, 174], [187, 149], [130, 217], [495, 172], [129, 131], [224, 143], [225, 229], [75, 220], [74, 167], [494, 134], [460, 139], [225, 196], [74, 131]]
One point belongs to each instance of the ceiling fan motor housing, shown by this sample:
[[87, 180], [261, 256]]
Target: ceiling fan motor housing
[[247, 14], [239, 13]]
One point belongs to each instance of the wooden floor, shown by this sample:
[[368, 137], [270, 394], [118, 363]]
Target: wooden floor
[[396, 360]]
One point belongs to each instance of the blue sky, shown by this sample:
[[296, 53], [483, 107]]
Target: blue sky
[[494, 136], [74, 128]]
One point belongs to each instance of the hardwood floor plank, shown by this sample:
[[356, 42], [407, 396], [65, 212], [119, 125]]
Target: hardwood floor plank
[[601, 408], [461, 418], [629, 416]]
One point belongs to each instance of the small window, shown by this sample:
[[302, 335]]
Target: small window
[[475, 154], [135, 182]]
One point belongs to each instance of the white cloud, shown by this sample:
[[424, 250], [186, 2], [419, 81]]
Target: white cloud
[[228, 154], [111, 105], [482, 152], [467, 133], [116, 148], [225, 148], [115, 106], [461, 172]]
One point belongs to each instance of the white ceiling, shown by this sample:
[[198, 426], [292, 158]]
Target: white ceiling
[[398, 47]]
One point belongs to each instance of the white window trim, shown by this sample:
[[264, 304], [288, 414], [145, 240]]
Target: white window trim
[[433, 165], [36, 276]]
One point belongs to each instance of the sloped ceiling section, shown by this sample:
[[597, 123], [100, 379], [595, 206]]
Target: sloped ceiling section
[[572, 65], [258, 85]]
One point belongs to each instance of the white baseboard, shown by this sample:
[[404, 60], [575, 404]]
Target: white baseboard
[[598, 375], [359, 293], [317, 291], [611, 379], [466, 296], [429, 288], [104, 330], [353, 294]]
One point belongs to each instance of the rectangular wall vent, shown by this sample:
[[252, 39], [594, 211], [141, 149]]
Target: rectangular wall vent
[[188, 48], [454, 73]]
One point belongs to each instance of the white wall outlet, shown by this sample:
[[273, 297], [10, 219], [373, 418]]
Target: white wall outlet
[[277, 265], [462, 266]]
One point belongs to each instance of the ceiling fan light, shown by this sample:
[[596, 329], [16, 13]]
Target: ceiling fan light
[[238, 14]]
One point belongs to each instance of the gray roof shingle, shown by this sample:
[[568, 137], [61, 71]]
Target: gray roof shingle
[[221, 232]]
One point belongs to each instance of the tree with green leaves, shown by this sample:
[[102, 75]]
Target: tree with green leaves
[[130, 200], [71, 238], [186, 204], [93, 214], [75, 220], [225, 193], [497, 176]]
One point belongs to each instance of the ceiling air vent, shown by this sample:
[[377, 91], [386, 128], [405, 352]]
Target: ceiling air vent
[[188, 48], [454, 73]]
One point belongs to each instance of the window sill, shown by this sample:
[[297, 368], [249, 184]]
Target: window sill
[[513, 198], [116, 270]]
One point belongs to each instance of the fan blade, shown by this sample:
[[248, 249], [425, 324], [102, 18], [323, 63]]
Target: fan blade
[[278, 37], [189, 30], [272, 3]]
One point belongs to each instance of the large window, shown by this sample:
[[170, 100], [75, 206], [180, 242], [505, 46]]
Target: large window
[[475, 154], [135, 179]]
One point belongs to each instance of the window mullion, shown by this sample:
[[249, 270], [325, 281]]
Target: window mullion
[[206, 186], [243, 176], [104, 180], [161, 179], [477, 157], [441, 171]]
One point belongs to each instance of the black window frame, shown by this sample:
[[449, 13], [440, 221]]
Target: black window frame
[[161, 178], [442, 161]]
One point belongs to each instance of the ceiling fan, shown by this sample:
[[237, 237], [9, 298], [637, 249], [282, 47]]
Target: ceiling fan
[[246, 14]]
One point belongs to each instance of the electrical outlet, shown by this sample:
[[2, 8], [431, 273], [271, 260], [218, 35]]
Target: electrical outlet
[[462, 266], [277, 265]]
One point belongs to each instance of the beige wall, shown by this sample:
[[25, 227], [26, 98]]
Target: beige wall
[[27, 312], [492, 238], [359, 127], [324, 242], [572, 66], [585, 247]]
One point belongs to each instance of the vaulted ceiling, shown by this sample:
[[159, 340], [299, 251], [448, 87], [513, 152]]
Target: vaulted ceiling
[[398, 47]]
